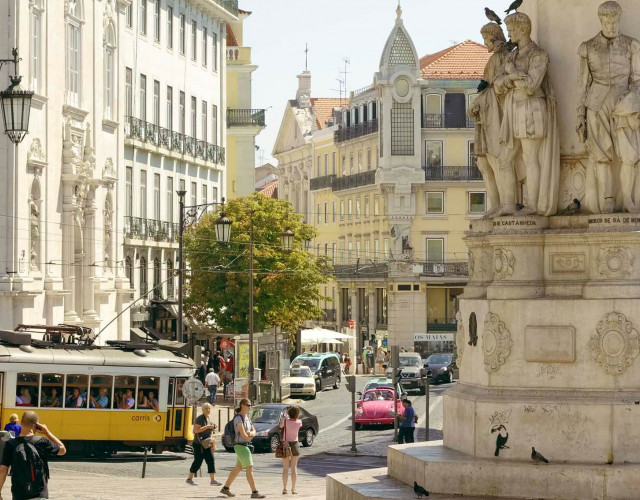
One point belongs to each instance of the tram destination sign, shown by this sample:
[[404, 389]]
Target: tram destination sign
[[193, 390], [433, 337]]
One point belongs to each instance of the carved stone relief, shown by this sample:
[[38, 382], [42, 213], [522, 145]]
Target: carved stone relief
[[459, 338], [503, 263], [35, 150], [562, 263], [615, 262], [109, 171], [472, 265], [473, 330], [496, 343], [615, 345], [573, 175]]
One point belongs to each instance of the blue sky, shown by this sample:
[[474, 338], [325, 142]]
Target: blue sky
[[334, 29]]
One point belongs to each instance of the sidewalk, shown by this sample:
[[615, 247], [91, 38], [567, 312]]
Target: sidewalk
[[109, 487]]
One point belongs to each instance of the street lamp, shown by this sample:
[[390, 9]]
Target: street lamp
[[287, 238], [16, 104], [223, 229]]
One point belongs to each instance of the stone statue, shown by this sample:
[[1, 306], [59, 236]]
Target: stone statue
[[34, 212], [608, 111], [529, 131], [487, 113]]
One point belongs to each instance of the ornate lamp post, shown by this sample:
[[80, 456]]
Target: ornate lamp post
[[15, 103]]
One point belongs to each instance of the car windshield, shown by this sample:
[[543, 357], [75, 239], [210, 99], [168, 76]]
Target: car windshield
[[301, 371], [378, 395], [440, 359], [409, 361], [312, 363], [266, 415]]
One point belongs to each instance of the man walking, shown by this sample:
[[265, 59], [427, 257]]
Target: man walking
[[27, 456], [407, 423], [211, 382]]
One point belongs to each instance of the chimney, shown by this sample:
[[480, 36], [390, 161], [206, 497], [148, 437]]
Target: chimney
[[303, 95]]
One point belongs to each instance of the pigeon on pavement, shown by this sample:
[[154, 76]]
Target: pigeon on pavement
[[419, 490]]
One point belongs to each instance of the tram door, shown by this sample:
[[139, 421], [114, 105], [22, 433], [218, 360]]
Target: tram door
[[176, 408]]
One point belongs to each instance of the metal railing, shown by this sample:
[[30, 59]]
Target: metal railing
[[447, 120], [329, 315], [144, 290], [362, 90], [171, 290], [441, 325], [150, 229], [228, 5], [323, 182], [157, 292], [245, 117], [173, 141], [355, 131], [458, 269], [354, 181], [363, 269], [468, 173]]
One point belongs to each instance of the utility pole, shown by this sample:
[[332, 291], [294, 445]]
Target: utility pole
[[181, 195], [395, 361], [252, 387]]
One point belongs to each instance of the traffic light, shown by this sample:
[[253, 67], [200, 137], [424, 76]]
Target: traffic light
[[350, 383]]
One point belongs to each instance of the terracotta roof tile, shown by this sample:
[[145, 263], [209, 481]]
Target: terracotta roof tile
[[464, 61], [270, 190], [232, 41], [323, 107]]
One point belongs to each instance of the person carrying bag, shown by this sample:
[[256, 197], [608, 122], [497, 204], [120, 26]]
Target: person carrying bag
[[290, 447], [204, 445]]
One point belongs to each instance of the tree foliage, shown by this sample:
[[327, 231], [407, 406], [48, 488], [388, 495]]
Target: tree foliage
[[286, 283]]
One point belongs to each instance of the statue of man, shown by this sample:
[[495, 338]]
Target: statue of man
[[608, 107], [487, 113], [529, 131]]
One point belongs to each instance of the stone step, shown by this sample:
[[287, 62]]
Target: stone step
[[446, 471], [375, 484]]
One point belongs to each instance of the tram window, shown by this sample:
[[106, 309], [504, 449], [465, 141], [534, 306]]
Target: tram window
[[101, 386], [75, 395], [52, 384], [27, 389], [147, 398], [123, 396], [179, 395], [170, 392]]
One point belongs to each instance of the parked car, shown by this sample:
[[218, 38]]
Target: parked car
[[266, 420], [302, 381], [324, 366], [440, 367], [381, 382], [377, 408], [411, 372]]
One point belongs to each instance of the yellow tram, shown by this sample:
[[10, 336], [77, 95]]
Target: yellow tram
[[123, 396]]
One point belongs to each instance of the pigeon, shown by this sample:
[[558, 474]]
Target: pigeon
[[514, 6], [537, 456], [483, 85], [419, 490], [501, 441], [572, 208], [492, 16]]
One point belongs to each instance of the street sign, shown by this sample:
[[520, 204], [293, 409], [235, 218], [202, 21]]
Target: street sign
[[352, 323], [193, 390], [433, 337]]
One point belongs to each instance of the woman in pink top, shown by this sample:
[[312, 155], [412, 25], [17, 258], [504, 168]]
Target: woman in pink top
[[290, 429]]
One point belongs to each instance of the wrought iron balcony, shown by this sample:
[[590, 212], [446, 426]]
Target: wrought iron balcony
[[161, 137], [323, 182], [329, 315], [469, 173], [171, 291], [150, 229], [441, 325], [362, 269], [354, 181], [157, 292], [459, 269], [447, 120], [230, 6], [245, 117], [144, 290], [355, 131]]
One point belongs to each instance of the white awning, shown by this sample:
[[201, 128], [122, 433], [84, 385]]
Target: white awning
[[319, 335]]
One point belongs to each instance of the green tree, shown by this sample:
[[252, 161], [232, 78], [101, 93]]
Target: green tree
[[286, 283]]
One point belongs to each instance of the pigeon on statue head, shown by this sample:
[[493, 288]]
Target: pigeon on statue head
[[492, 16], [514, 6]]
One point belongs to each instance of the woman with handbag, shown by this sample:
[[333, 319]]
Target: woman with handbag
[[289, 449], [204, 445]]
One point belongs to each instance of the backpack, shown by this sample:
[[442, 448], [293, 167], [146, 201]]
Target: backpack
[[229, 436], [29, 473]]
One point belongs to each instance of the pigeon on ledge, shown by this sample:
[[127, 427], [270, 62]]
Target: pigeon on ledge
[[419, 490], [537, 456]]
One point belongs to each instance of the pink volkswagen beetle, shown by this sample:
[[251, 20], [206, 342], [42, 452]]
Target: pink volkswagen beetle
[[377, 408]]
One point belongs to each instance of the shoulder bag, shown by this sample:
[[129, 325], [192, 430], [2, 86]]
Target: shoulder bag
[[284, 448], [209, 442]]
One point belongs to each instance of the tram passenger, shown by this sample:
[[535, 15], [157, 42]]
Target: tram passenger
[[127, 401], [142, 401], [153, 402], [24, 397], [102, 400], [75, 400]]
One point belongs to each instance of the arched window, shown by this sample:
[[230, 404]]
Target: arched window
[[109, 70], [170, 281], [157, 288], [74, 16], [144, 285], [128, 263]]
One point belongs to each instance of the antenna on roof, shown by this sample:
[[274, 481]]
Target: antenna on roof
[[306, 54], [345, 60]]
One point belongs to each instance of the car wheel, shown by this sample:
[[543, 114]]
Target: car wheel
[[274, 442], [337, 384], [358, 427], [308, 438], [313, 396], [319, 386], [450, 379]]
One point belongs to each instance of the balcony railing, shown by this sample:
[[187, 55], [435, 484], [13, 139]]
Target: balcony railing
[[354, 181], [144, 290], [329, 315], [447, 120], [171, 291], [469, 173], [321, 182], [173, 141], [362, 269], [458, 269], [355, 131], [228, 5], [238, 55], [441, 325], [245, 117], [150, 229]]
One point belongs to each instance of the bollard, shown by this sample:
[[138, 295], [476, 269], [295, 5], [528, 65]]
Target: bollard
[[219, 419], [144, 463]]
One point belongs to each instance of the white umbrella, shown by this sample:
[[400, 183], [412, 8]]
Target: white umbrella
[[330, 341], [316, 335]]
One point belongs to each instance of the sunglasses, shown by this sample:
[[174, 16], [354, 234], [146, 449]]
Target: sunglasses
[[245, 404]]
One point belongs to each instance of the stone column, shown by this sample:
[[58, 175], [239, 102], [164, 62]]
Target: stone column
[[371, 293], [353, 296], [68, 257], [89, 273]]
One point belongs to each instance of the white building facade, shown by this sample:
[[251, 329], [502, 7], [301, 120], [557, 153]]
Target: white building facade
[[174, 139]]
